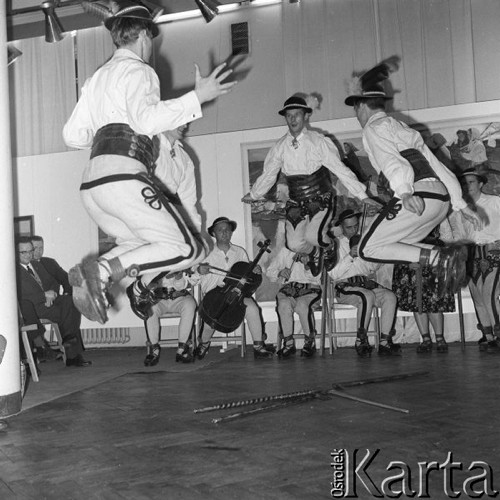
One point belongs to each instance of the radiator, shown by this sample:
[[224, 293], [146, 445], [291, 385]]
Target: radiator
[[106, 335]]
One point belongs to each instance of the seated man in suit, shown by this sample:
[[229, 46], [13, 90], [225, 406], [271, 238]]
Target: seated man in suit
[[51, 266], [299, 293], [34, 285], [354, 286]]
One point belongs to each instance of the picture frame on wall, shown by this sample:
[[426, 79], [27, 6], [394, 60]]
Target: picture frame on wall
[[24, 225]]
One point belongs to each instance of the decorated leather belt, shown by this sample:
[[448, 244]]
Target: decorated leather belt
[[120, 139], [486, 257], [304, 187], [164, 293], [295, 289], [358, 281], [418, 162]]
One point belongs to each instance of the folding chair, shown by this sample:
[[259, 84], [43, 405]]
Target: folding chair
[[345, 312], [30, 359], [55, 339]]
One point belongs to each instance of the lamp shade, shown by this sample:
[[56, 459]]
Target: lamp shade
[[13, 53], [53, 28], [208, 8]]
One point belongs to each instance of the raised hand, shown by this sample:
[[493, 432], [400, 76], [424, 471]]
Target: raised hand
[[210, 87]]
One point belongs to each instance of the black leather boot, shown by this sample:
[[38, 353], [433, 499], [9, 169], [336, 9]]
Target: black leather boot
[[153, 354], [309, 348], [288, 348]]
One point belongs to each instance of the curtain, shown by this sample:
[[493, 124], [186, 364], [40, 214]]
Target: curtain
[[94, 48], [43, 93]]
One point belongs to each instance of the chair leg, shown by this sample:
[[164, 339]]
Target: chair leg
[[243, 339], [29, 357], [55, 328]]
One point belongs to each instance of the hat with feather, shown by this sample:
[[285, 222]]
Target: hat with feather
[[117, 9], [371, 83]]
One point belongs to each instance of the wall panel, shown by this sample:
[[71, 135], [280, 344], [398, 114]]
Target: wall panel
[[486, 47]]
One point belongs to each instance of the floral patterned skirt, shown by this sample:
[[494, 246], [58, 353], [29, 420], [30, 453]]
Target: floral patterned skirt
[[404, 285]]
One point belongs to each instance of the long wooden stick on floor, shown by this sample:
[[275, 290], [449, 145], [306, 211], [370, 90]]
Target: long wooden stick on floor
[[308, 392], [275, 406], [263, 399], [375, 380], [344, 395]]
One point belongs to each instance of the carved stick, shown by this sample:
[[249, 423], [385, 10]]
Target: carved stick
[[276, 406], [246, 402]]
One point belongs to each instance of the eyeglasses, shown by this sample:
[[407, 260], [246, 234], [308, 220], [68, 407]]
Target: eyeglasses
[[24, 252]]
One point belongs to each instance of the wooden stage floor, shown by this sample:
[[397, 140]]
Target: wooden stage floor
[[118, 430]]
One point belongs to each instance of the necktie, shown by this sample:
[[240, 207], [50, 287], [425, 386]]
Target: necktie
[[295, 143], [35, 275]]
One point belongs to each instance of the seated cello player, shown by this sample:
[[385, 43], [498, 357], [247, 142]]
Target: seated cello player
[[223, 256]]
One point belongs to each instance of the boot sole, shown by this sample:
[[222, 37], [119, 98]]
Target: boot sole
[[84, 297]]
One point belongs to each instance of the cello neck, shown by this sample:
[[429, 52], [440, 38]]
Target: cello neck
[[264, 247]]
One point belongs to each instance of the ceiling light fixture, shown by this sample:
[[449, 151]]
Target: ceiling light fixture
[[221, 9], [208, 8], [53, 27], [13, 53]]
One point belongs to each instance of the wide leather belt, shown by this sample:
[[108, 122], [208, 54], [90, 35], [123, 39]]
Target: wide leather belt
[[120, 139], [305, 187], [164, 293], [358, 281], [420, 165]]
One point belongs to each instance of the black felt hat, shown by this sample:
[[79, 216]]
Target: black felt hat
[[232, 223], [472, 171], [295, 102], [347, 214]]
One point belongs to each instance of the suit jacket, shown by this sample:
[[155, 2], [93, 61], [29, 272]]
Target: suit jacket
[[59, 275], [28, 287]]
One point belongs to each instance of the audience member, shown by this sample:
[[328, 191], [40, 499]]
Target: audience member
[[50, 265], [299, 293], [33, 286], [354, 286]]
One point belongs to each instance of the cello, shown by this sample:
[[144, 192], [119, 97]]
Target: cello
[[222, 308]]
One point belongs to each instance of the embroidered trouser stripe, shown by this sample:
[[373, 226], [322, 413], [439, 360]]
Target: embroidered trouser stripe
[[146, 221], [395, 234], [364, 304]]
